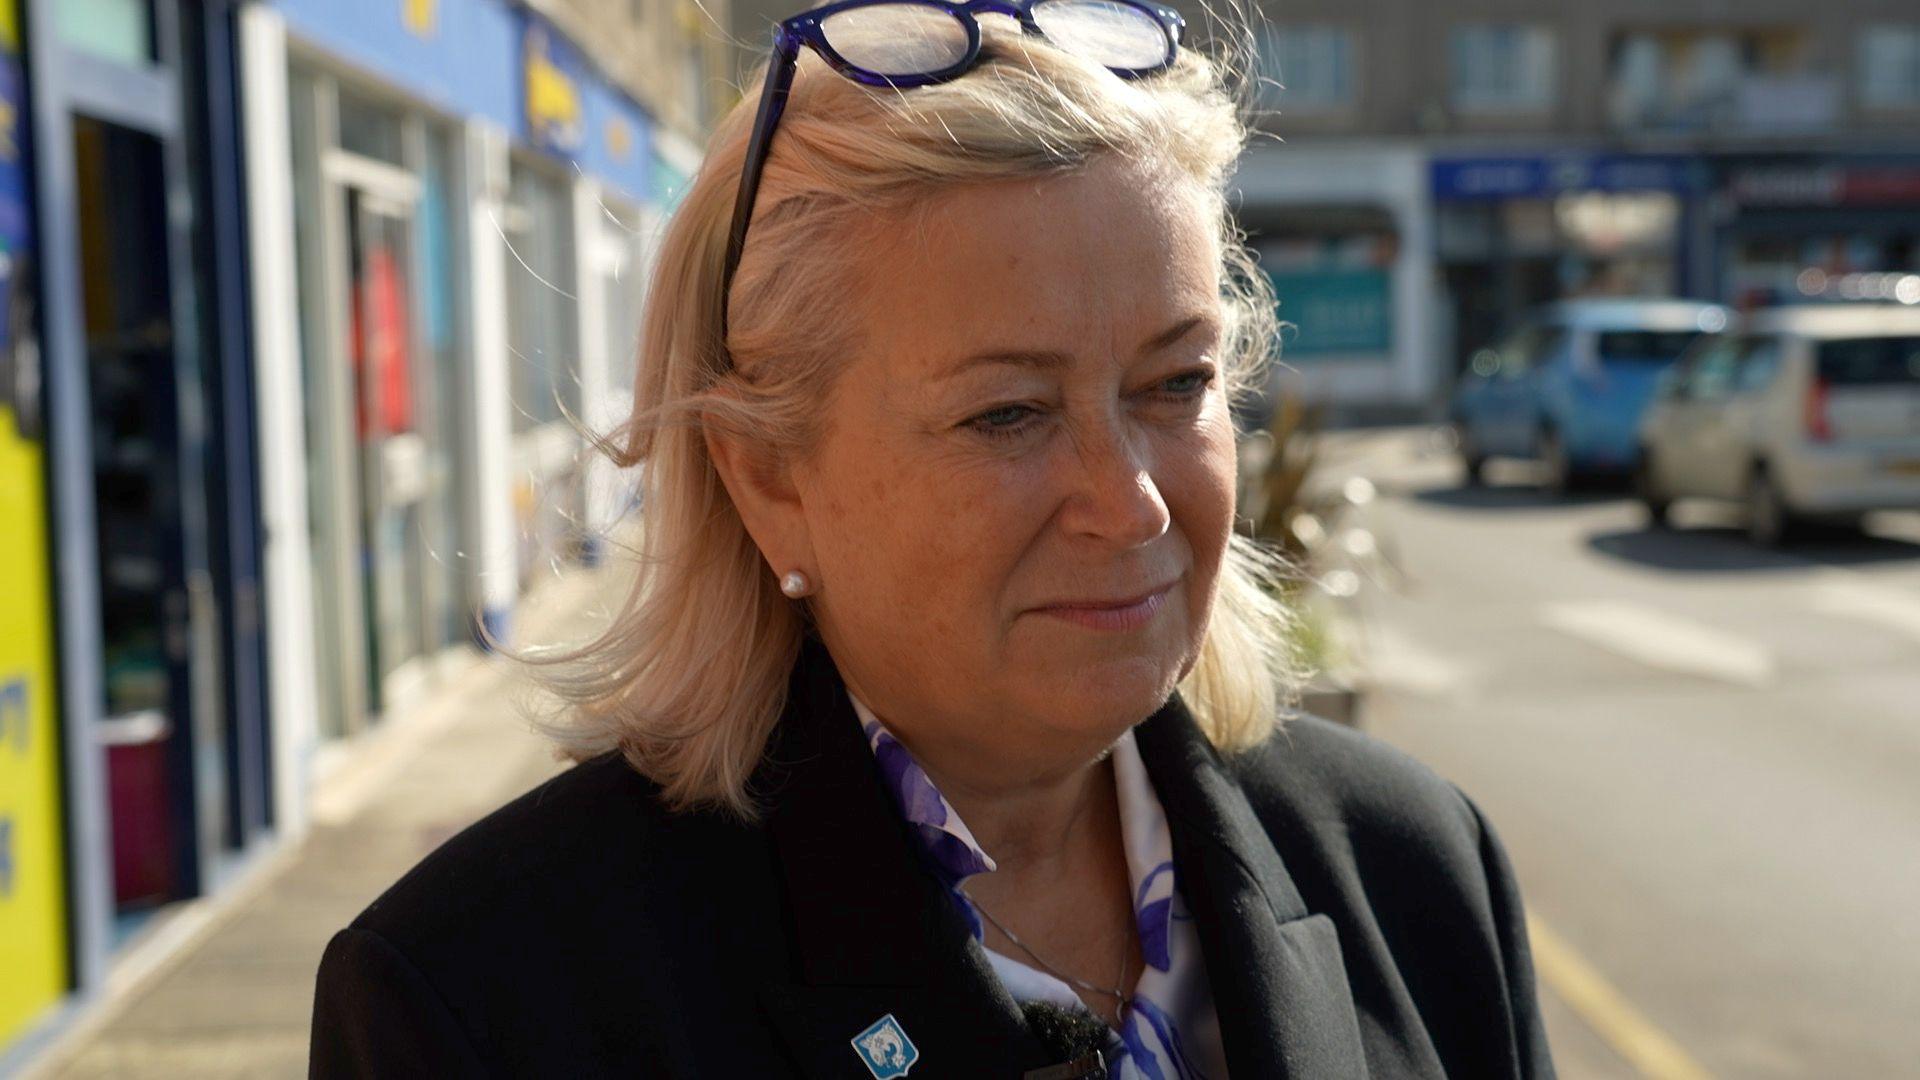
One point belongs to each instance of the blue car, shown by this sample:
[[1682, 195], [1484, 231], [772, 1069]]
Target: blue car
[[1568, 387]]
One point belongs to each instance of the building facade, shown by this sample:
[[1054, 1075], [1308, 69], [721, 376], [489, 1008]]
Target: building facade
[[1625, 147], [313, 306], [143, 746]]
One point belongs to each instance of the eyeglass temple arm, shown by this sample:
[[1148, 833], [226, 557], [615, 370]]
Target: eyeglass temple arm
[[773, 101]]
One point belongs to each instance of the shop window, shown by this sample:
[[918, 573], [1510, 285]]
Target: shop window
[[1503, 67], [120, 30], [1332, 272], [1306, 68], [1890, 66], [371, 128], [542, 339], [540, 299], [625, 265]]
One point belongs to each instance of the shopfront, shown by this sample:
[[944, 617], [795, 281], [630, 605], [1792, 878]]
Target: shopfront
[[1807, 228], [126, 386], [379, 375], [33, 878], [584, 207], [1341, 232], [454, 172], [1516, 230]]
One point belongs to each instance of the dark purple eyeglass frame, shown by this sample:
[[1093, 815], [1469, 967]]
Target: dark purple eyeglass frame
[[805, 29]]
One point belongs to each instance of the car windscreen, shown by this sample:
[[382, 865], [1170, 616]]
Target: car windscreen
[[1870, 361], [1644, 346]]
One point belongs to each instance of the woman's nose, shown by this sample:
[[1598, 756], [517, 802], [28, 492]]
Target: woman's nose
[[1113, 497]]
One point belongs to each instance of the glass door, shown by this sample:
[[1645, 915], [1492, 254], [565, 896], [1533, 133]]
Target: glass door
[[380, 370], [161, 723], [398, 472], [379, 436]]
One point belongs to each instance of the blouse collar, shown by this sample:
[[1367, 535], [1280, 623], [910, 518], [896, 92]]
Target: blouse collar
[[954, 854]]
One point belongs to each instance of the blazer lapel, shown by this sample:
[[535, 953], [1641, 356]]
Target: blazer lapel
[[1279, 983], [874, 933]]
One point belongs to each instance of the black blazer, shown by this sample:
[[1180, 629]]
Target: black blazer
[[1357, 916]]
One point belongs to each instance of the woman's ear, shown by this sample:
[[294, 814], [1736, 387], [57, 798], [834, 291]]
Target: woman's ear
[[764, 493]]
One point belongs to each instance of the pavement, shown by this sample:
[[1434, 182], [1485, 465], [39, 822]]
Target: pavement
[[235, 999]]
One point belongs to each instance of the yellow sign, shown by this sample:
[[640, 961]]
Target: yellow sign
[[421, 16], [619, 139], [33, 931], [554, 111], [33, 922]]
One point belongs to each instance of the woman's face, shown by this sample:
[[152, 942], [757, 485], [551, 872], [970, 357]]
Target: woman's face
[[1024, 489]]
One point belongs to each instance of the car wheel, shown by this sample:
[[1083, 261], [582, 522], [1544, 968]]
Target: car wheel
[[1769, 522], [1658, 504], [1556, 476], [1473, 460]]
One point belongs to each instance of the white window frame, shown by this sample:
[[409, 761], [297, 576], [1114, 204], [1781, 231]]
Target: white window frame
[[1322, 59], [1882, 51], [1532, 87]]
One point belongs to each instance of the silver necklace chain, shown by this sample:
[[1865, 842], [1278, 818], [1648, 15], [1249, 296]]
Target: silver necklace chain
[[1119, 995]]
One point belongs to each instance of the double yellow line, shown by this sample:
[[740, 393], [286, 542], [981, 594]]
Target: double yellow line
[[1645, 1047]]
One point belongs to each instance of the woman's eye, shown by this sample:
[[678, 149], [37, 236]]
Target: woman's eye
[[1002, 420], [1188, 383]]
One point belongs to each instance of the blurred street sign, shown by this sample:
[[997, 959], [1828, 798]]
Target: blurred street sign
[[1546, 175]]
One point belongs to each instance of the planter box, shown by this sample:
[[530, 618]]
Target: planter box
[[1340, 704]]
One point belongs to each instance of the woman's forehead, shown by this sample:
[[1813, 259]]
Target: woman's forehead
[[1043, 263]]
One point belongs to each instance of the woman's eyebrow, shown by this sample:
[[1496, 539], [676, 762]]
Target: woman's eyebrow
[[1039, 358], [1173, 333], [1016, 357]]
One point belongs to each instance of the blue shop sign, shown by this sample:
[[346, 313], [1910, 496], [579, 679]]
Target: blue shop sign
[[570, 111], [456, 54], [1544, 176], [495, 60]]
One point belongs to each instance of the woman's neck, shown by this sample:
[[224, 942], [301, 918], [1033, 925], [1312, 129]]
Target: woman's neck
[[1042, 824]]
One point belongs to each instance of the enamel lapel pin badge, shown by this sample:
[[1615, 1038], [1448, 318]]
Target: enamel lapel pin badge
[[885, 1049]]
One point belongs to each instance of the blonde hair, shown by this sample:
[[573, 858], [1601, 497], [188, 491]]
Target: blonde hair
[[690, 677]]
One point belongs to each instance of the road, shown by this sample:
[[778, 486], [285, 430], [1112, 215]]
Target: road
[[1704, 758]]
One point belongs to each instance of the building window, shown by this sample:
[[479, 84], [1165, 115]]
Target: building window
[[1502, 67], [1760, 79], [1332, 268], [1890, 66], [1306, 68], [119, 30]]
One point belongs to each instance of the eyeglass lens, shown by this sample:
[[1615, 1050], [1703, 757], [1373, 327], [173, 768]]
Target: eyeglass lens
[[1118, 36], [919, 39], [897, 39]]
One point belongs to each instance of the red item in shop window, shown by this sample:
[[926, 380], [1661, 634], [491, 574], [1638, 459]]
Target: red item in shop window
[[141, 810], [387, 340]]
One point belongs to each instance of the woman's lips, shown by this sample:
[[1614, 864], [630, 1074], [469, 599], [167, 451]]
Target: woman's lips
[[1111, 615]]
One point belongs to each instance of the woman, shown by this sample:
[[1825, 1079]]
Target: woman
[[940, 733]]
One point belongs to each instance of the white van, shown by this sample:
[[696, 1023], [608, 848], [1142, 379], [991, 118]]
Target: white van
[[1796, 413]]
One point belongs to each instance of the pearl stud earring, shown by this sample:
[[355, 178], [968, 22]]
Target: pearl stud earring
[[795, 584]]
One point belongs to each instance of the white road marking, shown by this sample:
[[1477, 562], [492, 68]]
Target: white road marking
[[1851, 597], [1662, 640], [1392, 660]]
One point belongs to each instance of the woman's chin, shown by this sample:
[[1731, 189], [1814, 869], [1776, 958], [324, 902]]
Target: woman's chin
[[1107, 696]]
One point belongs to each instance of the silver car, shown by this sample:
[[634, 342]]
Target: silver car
[[1796, 413]]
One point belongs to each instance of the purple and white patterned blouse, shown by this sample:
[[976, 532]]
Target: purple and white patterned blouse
[[1170, 1030]]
